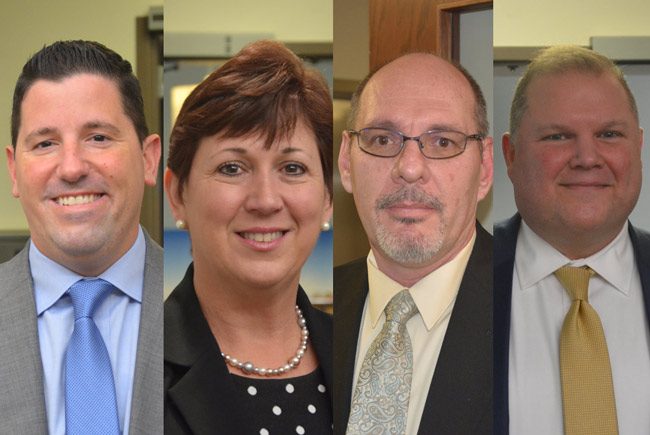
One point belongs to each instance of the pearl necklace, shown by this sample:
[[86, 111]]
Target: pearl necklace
[[249, 368]]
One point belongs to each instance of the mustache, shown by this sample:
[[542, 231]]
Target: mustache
[[410, 194]]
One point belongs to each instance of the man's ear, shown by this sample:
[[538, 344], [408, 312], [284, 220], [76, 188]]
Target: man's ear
[[344, 162], [151, 150], [11, 167], [487, 168]]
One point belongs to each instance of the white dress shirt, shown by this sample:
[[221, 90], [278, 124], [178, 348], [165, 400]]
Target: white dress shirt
[[434, 295], [539, 305]]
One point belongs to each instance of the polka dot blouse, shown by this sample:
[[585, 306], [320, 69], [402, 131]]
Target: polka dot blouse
[[298, 405]]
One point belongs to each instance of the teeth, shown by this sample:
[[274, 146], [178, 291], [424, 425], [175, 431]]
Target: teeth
[[262, 237], [76, 200]]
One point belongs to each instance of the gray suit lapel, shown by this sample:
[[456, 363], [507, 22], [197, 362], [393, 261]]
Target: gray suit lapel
[[22, 398], [147, 403]]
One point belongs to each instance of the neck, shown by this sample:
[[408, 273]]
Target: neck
[[237, 309], [579, 244]]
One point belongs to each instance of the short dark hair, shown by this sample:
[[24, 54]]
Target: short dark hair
[[264, 89], [480, 107], [63, 59]]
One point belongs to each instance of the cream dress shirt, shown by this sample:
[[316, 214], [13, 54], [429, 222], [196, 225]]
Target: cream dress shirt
[[539, 305], [434, 295]]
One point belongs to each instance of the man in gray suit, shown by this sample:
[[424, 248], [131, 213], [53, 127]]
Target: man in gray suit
[[79, 160]]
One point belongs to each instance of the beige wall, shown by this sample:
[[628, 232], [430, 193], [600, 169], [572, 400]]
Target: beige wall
[[27, 25], [528, 23], [287, 20]]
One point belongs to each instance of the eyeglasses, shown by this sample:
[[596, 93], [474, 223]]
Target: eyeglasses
[[434, 144]]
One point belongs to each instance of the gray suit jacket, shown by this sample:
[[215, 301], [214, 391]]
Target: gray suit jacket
[[22, 397]]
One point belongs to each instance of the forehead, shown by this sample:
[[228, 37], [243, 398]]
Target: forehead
[[577, 95], [301, 138], [73, 99], [418, 92]]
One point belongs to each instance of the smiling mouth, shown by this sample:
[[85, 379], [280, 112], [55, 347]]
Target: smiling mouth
[[77, 199], [263, 237]]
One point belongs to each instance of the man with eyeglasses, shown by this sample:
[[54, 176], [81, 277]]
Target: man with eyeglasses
[[413, 320], [572, 275]]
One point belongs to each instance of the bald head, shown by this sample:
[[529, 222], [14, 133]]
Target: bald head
[[417, 74]]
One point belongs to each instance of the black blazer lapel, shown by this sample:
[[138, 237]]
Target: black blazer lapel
[[641, 245], [505, 242], [199, 398], [460, 397], [350, 290], [320, 330]]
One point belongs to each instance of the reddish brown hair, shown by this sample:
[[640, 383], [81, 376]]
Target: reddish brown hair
[[264, 89]]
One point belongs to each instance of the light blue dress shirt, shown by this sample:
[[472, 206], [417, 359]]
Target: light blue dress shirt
[[118, 320]]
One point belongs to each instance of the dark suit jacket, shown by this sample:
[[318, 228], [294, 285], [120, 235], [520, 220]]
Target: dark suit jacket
[[505, 242], [200, 396], [459, 400]]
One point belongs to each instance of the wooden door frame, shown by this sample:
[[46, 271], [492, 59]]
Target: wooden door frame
[[448, 25]]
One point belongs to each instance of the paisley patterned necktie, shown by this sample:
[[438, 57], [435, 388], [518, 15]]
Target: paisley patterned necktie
[[381, 397]]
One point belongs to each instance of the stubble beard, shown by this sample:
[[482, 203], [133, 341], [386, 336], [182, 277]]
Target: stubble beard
[[409, 247]]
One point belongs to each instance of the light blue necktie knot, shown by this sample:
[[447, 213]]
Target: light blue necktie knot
[[87, 295], [90, 399]]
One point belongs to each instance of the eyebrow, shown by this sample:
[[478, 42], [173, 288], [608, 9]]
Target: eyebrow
[[290, 150], [390, 125], [241, 150], [608, 124], [90, 125]]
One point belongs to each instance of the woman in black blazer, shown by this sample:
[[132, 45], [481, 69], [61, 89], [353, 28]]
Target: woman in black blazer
[[250, 177]]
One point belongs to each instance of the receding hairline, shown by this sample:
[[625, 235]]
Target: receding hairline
[[454, 70], [561, 60]]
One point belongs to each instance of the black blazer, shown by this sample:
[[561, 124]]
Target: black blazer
[[460, 396], [200, 396], [505, 242]]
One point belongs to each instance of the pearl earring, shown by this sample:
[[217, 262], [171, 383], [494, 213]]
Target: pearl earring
[[181, 225], [326, 226]]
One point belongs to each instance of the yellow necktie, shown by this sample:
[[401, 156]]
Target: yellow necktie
[[587, 389]]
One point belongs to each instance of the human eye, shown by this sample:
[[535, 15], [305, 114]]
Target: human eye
[[99, 139], [555, 137], [44, 145], [611, 134], [445, 142], [379, 138], [441, 139], [230, 169], [294, 169]]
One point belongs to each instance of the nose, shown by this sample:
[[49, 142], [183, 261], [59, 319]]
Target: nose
[[72, 165], [264, 196], [586, 153], [411, 165]]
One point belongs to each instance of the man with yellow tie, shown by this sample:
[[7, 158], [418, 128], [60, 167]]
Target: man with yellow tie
[[572, 275]]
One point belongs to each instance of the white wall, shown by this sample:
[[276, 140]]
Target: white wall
[[287, 20], [25, 27], [535, 23]]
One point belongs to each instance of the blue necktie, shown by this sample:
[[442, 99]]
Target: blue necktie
[[90, 404]]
